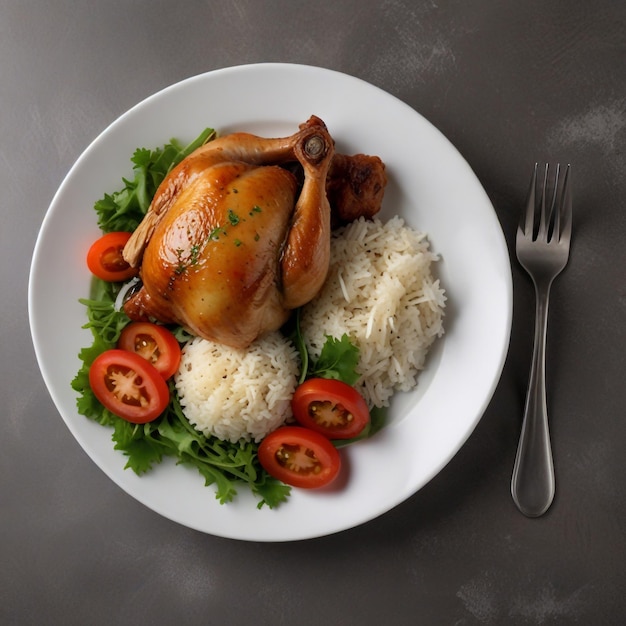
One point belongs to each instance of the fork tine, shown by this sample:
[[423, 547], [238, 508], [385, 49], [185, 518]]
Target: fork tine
[[565, 209], [544, 219], [528, 216], [554, 215]]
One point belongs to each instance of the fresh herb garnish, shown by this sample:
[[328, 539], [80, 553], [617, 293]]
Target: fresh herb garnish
[[195, 254], [233, 218], [214, 235], [221, 463], [338, 358], [124, 209]]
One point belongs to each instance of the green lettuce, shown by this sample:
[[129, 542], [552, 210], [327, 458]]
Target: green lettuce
[[124, 209], [223, 464]]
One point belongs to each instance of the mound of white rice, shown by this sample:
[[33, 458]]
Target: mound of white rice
[[381, 293], [237, 394]]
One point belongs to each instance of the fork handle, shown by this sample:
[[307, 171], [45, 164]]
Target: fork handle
[[532, 485]]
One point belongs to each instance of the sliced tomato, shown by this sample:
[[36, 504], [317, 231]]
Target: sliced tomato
[[299, 457], [330, 407], [154, 343], [105, 259], [128, 386]]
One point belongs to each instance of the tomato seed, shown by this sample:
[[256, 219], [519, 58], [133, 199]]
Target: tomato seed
[[330, 415]]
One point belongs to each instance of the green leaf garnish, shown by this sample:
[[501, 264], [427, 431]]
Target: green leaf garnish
[[124, 209], [338, 359]]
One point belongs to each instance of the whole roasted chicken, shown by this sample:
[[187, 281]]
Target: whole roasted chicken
[[238, 235]]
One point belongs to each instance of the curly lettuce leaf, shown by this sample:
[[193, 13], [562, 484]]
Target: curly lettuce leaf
[[124, 209], [222, 464]]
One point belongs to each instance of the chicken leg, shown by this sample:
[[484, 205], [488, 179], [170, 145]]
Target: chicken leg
[[229, 247]]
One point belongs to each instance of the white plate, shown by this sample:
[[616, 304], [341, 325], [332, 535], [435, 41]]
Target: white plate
[[430, 185]]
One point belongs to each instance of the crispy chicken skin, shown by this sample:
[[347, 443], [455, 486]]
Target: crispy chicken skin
[[229, 247]]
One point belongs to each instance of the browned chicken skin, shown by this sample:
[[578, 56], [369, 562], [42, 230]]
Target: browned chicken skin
[[355, 187], [228, 247]]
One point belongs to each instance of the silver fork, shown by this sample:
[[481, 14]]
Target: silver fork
[[543, 251]]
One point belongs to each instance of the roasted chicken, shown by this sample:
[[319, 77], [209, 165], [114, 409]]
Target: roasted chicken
[[237, 236]]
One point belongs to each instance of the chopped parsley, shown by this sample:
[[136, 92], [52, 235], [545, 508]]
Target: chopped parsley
[[195, 252], [233, 218], [214, 235]]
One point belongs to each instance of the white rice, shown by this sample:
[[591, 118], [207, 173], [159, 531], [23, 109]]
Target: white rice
[[381, 293], [237, 394]]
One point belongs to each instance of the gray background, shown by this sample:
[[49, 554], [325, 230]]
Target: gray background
[[508, 83]]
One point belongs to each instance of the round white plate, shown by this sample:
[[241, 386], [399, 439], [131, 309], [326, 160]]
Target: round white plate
[[430, 185]]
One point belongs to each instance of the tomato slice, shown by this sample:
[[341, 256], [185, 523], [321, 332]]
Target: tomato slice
[[105, 259], [330, 407], [299, 457], [154, 343], [128, 386]]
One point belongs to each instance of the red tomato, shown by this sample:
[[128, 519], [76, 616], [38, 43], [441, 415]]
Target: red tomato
[[330, 407], [154, 343], [105, 259], [299, 457], [128, 386]]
